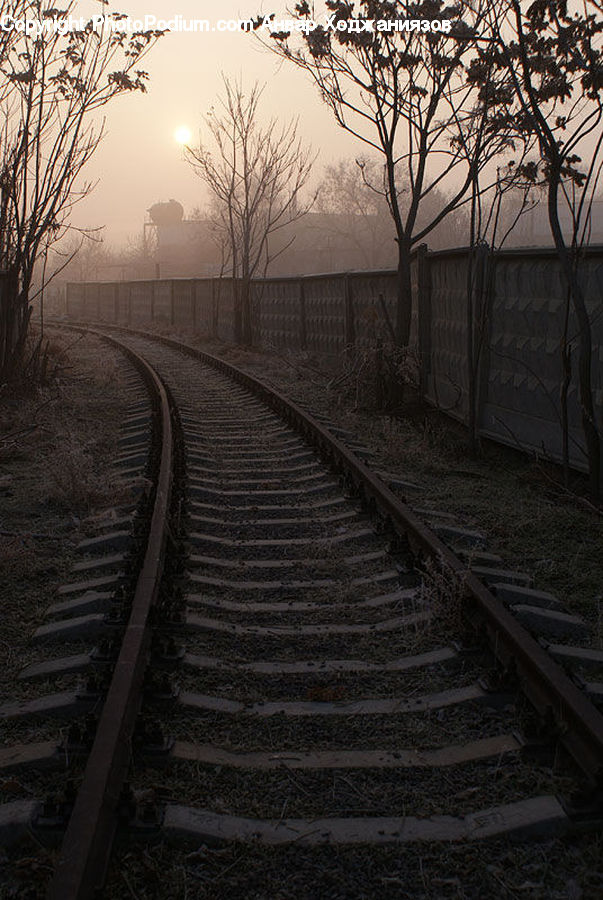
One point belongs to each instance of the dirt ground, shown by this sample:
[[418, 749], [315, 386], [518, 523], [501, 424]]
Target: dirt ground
[[57, 445]]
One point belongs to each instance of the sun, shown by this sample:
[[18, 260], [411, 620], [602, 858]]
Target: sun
[[183, 135]]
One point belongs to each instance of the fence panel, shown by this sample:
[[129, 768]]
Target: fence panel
[[74, 301], [91, 302], [522, 404], [447, 382], [325, 315], [373, 318], [183, 299], [123, 302], [203, 305], [162, 311], [141, 300], [224, 308], [107, 302], [276, 316]]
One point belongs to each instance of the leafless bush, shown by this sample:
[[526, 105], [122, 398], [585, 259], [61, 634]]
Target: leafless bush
[[443, 590], [76, 483], [378, 376]]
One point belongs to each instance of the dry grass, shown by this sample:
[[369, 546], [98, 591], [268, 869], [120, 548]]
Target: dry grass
[[327, 556], [376, 376], [58, 443], [443, 591], [54, 435], [76, 483], [554, 869]]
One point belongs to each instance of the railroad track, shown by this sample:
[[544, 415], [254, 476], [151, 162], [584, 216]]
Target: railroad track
[[295, 657]]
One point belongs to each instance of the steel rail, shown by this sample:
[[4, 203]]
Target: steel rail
[[546, 685], [86, 848]]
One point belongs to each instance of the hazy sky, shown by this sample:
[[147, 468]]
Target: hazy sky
[[139, 161]]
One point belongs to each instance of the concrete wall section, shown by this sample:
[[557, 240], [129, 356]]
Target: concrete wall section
[[527, 321], [519, 313], [276, 315], [447, 382]]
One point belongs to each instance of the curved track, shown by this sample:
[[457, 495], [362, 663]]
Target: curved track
[[318, 633]]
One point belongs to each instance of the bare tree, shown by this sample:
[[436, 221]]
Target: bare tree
[[489, 134], [553, 57], [256, 174], [357, 213], [82, 257], [353, 193], [402, 92], [52, 89]]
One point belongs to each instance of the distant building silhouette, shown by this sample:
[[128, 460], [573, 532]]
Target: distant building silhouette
[[182, 247], [319, 242]]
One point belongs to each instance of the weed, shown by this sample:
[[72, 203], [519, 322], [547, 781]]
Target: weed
[[443, 592]]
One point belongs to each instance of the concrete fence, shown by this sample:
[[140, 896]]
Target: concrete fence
[[515, 301]]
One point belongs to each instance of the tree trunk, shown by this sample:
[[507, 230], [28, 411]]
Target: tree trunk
[[404, 295], [589, 422], [566, 368], [246, 311], [237, 310], [14, 321]]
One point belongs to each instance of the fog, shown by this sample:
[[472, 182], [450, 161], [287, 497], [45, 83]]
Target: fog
[[139, 161]]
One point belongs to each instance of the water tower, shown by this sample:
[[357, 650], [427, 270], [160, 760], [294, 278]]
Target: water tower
[[166, 218], [166, 213]]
